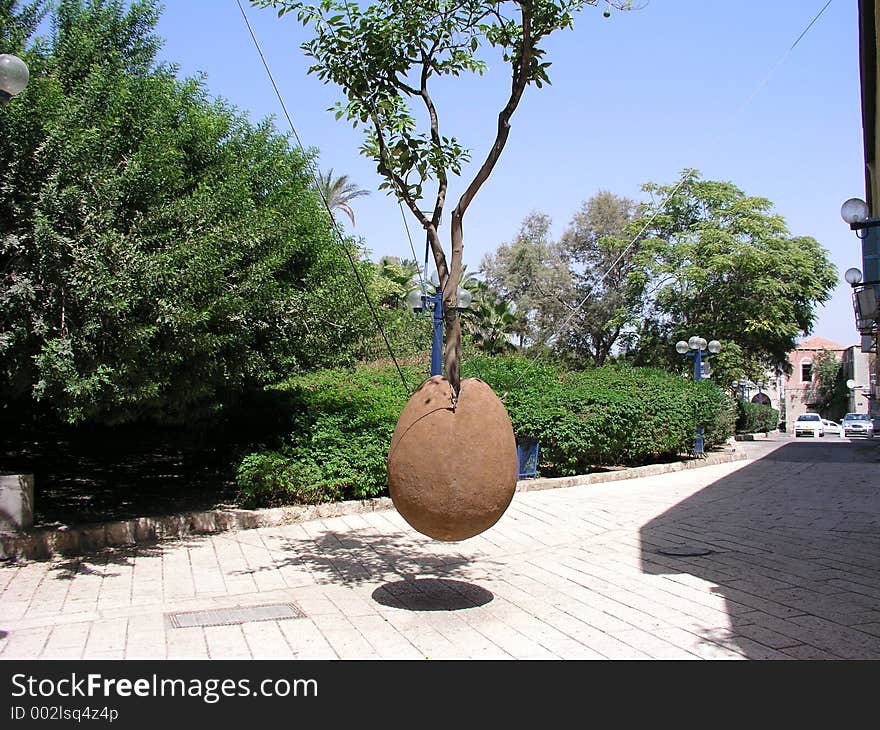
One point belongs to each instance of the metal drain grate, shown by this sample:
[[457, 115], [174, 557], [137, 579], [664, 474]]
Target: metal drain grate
[[232, 616]]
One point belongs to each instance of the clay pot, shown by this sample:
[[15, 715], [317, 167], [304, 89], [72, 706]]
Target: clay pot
[[452, 472]]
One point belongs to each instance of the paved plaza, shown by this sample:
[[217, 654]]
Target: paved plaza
[[790, 568]]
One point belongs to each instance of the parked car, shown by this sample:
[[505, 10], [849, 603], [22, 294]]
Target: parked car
[[858, 424], [832, 427], [809, 424]]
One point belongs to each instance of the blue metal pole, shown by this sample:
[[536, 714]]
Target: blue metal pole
[[698, 374], [437, 340]]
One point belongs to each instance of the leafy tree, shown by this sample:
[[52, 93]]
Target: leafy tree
[[19, 23], [338, 192], [531, 272], [492, 322], [386, 56], [575, 292], [394, 280], [160, 255], [600, 259], [717, 262], [831, 396]]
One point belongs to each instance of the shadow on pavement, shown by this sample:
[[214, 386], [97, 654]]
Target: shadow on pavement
[[99, 563], [358, 556], [795, 551], [431, 594]]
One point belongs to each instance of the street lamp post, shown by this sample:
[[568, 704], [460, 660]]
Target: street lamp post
[[694, 348], [419, 300], [14, 76], [865, 283]]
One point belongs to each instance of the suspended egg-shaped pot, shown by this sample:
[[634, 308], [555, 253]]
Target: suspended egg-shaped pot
[[452, 468]]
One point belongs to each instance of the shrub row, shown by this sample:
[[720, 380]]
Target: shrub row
[[341, 423], [755, 418], [607, 416]]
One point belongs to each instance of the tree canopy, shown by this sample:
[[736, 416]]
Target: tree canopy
[[699, 257], [719, 263], [385, 56], [160, 254]]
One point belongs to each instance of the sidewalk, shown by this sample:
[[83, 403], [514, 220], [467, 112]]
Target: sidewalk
[[577, 572]]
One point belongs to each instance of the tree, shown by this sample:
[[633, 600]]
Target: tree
[[160, 255], [386, 55], [575, 292], [831, 396], [393, 281], [18, 24], [716, 262], [600, 259], [493, 323], [338, 192], [531, 272]]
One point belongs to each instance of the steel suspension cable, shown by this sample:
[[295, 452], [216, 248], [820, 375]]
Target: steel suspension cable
[[333, 223]]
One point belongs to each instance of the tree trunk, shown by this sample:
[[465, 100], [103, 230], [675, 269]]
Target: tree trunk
[[451, 320]]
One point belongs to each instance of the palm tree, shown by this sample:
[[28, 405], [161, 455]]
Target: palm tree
[[338, 192]]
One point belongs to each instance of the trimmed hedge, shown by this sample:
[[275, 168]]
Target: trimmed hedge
[[337, 442], [341, 423], [756, 418], [608, 416]]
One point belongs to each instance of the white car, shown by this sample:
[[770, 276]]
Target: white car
[[809, 424], [832, 427], [858, 424]]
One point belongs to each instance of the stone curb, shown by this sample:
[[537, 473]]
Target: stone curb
[[650, 470], [47, 542]]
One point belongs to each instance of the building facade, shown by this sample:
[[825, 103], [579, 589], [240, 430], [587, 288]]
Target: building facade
[[798, 391], [866, 296]]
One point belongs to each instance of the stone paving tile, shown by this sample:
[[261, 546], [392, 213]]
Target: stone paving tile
[[113, 655], [766, 637], [743, 598], [305, 640], [506, 637], [265, 640], [145, 637], [226, 642], [652, 645], [108, 635], [187, 643], [385, 640], [806, 652], [825, 637], [24, 644], [64, 653], [873, 629], [67, 638], [349, 643]]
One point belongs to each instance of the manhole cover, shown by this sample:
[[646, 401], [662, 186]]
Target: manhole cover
[[684, 552], [231, 616]]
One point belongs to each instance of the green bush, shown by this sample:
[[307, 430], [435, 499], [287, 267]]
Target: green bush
[[337, 442], [756, 418], [341, 423], [607, 416]]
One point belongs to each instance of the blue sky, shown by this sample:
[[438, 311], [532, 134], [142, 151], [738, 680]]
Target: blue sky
[[635, 98]]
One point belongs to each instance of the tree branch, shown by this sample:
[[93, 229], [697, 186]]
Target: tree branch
[[442, 179], [518, 85]]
